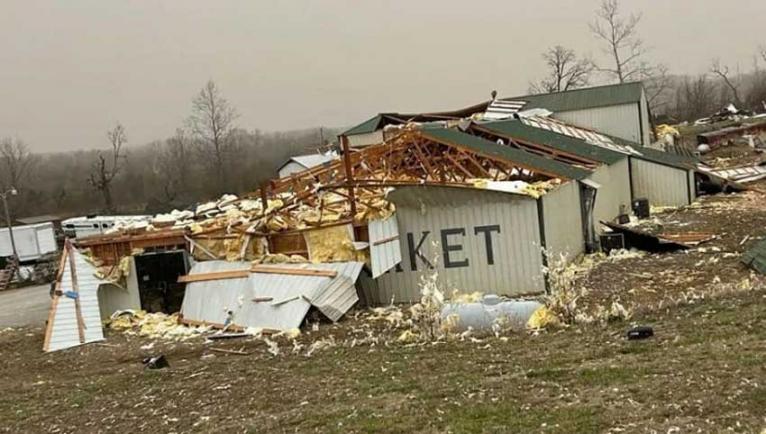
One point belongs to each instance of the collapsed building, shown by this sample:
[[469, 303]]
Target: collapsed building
[[483, 202]]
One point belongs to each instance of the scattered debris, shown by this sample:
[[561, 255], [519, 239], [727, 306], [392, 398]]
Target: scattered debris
[[639, 239], [156, 362], [227, 351], [640, 332]]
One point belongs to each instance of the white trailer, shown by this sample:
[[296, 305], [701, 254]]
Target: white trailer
[[32, 241], [79, 227]]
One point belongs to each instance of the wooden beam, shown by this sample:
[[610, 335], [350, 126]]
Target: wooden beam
[[76, 290], [386, 240], [55, 301], [266, 269], [349, 174], [219, 275]]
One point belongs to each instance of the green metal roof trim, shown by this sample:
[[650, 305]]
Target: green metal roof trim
[[532, 161], [756, 257], [668, 158], [657, 156], [369, 126], [517, 130], [591, 97]]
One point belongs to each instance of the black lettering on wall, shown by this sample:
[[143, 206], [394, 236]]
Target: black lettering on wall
[[447, 248], [415, 251], [487, 230]]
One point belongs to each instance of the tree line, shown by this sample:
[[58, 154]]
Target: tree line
[[210, 154], [625, 58]]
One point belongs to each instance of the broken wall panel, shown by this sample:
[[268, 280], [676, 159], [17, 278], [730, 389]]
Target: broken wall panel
[[268, 300], [562, 215], [74, 318], [385, 250]]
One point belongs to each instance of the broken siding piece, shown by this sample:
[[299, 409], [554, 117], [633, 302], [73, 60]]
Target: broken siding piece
[[63, 329], [385, 249], [270, 300]]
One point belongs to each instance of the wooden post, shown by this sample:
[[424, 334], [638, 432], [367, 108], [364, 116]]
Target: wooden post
[[349, 175], [264, 197], [76, 290]]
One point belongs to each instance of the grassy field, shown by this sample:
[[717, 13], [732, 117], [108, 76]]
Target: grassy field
[[703, 371]]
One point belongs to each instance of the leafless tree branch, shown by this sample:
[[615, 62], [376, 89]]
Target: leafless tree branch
[[565, 71]]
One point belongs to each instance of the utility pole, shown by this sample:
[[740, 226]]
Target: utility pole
[[4, 196]]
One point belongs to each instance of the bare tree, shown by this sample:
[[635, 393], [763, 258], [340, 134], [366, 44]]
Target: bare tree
[[173, 164], [695, 97], [722, 71], [16, 163], [565, 71], [212, 122], [619, 34], [104, 170]]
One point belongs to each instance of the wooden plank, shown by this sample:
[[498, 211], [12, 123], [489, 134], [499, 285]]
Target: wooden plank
[[225, 351], [219, 275], [386, 240], [76, 290], [265, 269]]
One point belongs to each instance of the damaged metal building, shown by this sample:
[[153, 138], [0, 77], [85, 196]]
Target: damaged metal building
[[476, 199]]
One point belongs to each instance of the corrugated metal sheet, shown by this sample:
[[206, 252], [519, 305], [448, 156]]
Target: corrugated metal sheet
[[291, 295], [742, 174], [385, 251], [366, 139], [614, 191], [621, 120], [755, 257], [662, 185], [503, 109], [563, 222], [586, 98], [537, 133], [586, 135], [63, 326], [494, 239]]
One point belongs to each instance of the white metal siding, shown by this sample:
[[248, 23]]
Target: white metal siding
[[662, 185], [31, 241], [517, 258], [619, 120], [366, 139], [385, 251], [614, 191], [64, 333], [292, 295], [290, 168], [562, 214]]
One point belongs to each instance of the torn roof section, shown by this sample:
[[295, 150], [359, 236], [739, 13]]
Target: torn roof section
[[528, 160], [518, 131]]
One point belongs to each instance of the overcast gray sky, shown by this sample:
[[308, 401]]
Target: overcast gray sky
[[70, 69]]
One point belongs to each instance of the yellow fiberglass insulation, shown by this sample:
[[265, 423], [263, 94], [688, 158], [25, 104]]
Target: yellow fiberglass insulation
[[332, 244]]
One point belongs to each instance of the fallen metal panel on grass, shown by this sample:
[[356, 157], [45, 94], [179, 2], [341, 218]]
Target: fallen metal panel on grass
[[756, 257], [269, 301]]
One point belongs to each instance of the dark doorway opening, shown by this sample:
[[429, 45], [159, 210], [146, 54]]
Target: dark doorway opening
[[158, 285]]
